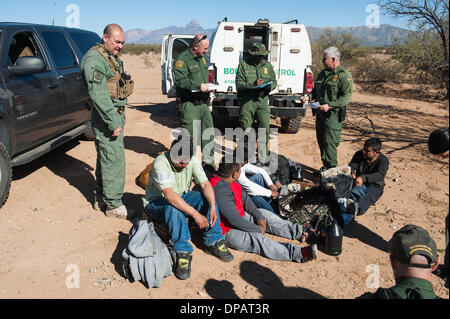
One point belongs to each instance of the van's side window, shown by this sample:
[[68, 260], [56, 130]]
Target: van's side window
[[59, 48], [22, 44], [179, 45]]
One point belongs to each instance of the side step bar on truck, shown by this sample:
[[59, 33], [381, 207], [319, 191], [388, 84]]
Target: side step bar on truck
[[27, 157]]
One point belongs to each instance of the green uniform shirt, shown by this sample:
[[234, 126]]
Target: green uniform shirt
[[334, 88], [248, 72], [96, 71], [164, 175], [190, 72], [406, 287]]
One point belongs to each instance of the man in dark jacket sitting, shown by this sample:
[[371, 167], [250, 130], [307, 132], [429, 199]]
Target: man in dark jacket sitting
[[369, 167]]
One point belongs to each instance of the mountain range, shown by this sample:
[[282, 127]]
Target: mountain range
[[382, 36]]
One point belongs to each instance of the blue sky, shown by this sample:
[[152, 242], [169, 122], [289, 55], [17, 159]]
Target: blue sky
[[152, 15]]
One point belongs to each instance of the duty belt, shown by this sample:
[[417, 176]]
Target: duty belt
[[254, 94], [195, 101]]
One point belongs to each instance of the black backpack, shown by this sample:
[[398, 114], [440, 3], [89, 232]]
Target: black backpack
[[287, 170], [315, 205], [343, 185]]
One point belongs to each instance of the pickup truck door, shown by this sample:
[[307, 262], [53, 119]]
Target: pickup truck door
[[67, 66], [172, 45], [35, 100]]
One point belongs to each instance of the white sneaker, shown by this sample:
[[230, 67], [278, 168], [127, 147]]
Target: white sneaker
[[118, 212]]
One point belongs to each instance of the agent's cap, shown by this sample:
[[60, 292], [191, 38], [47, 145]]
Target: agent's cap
[[413, 240], [258, 49]]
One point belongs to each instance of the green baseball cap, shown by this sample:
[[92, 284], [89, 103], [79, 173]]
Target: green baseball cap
[[413, 240], [258, 49]]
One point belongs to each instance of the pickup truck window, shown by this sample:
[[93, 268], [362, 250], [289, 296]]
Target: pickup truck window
[[22, 44], [85, 41], [60, 49]]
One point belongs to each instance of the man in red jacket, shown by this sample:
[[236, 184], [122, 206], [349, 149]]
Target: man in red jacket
[[244, 226]]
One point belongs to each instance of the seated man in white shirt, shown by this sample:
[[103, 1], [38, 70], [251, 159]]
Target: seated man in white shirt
[[256, 182]]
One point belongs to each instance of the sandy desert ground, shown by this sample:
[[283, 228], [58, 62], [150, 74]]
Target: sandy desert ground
[[49, 230]]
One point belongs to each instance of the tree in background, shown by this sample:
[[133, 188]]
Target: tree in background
[[349, 47], [427, 50]]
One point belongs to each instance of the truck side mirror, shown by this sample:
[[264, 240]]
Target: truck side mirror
[[27, 65]]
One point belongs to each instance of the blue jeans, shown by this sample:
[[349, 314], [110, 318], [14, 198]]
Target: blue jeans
[[365, 196], [260, 244], [261, 201], [162, 211]]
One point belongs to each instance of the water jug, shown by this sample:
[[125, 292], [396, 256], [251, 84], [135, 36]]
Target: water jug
[[333, 239]]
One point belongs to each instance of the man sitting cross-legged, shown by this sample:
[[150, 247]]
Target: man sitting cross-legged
[[169, 199], [244, 226]]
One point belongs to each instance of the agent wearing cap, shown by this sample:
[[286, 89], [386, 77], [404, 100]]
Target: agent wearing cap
[[438, 144], [254, 102], [413, 257]]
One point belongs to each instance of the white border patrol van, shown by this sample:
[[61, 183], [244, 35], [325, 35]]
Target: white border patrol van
[[290, 56]]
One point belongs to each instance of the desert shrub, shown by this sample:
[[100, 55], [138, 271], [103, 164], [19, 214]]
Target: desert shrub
[[369, 72], [349, 47], [421, 55]]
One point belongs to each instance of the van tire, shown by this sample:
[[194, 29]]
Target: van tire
[[5, 174], [291, 125]]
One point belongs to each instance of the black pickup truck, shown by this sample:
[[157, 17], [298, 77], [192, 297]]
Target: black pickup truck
[[44, 101]]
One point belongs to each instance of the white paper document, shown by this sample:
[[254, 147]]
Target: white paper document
[[211, 87], [314, 105]]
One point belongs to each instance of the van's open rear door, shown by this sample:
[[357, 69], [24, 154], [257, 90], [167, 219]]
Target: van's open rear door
[[172, 45]]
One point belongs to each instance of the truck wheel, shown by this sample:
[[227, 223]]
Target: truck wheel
[[89, 133], [5, 174], [291, 126]]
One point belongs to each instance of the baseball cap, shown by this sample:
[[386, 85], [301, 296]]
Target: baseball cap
[[258, 49], [413, 240]]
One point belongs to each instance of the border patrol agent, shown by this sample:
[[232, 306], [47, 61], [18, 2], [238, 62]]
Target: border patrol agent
[[333, 89], [191, 78], [413, 257], [438, 144], [255, 101], [108, 88]]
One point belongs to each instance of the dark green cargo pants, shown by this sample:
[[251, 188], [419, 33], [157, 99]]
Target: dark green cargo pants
[[328, 138], [110, 167], [259, 109], [199, 115]]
